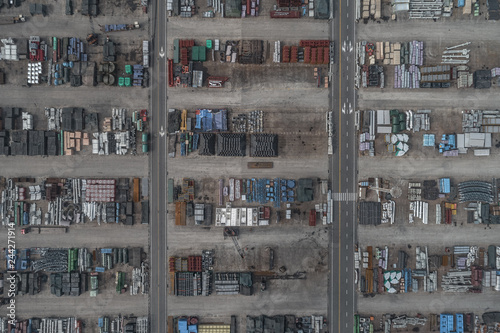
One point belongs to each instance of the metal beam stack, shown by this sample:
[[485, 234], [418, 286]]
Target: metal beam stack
[[475, 191]]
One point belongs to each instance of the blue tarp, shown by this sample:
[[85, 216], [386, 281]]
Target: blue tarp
[[461, 3], [429, 140], [208, 120], [444, 185], [183, 326], [193, 328], [460, 323]]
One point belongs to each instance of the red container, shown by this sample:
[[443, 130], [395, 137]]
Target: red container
[[286, 53], [312, 218], [307, 55]]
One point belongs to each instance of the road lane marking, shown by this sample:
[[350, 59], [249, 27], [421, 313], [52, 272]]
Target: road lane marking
[[347, 145], [347, 14], [340, 154], [347, 156], [346, 258], [346, 247]]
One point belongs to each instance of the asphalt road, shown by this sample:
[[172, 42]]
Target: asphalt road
[[158, 173], [343, 297]]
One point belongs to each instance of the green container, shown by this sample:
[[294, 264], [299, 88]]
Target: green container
[[202, 53], [128, 69], [209, 43], [395, 128], [194, 53], [144, 147], [121, 81], [128, 82], [144, 137], [402, 126], [176, 51], [395, 120], [402, 117], [394, 113]]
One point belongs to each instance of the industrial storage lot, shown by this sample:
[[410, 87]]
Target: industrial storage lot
[[414, 181]]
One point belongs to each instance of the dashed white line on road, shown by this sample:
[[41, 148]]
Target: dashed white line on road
[[346, 292], [346, 213], [346, 258], [347, 156], [346, 272], [347, 15], [346, 314], [347, 144], [347, 246], [346, 179]]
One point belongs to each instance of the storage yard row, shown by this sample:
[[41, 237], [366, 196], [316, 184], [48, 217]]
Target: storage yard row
[[71, 61], [443, 322], [75, 325], [246, 202], [72, 130], [57, 202], [195, 61], [457, 66]]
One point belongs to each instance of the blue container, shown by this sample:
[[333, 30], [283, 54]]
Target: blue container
[[56, 75], [290, 193], [290, 199], [283, 194], [271, 199], [100, 269], [71, 64], [56, 83], [291, 183]]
